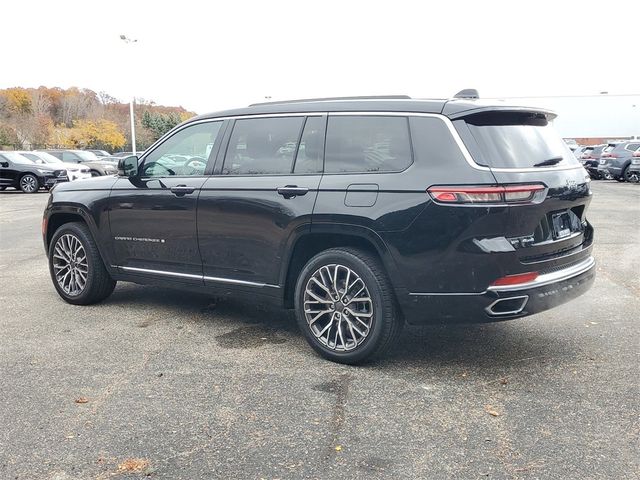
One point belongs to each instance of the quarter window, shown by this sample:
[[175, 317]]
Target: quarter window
[[262, 146], [183, 154], [367, 144]]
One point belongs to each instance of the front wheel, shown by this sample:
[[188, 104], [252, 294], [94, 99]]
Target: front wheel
[[345, 306], [29, 183], [76, 268]]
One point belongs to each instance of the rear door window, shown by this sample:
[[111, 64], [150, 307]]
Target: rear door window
[[517, 140], [359, 144], [262, 146]]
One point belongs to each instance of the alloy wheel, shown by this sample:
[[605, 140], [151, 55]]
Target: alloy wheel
[[70, 265], [630, 176], [29, 184], [338, 307]]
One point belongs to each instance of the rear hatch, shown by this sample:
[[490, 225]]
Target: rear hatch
[[548, 231]]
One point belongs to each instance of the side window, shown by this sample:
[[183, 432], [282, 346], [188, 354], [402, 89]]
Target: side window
[[309, 158], [633, 146], [367, 144], [70, 157], [262, 146], [183, 154]]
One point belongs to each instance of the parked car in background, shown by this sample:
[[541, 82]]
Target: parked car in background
[[100, 153], [75, 171], [577, 152], [97, 166], [359, 214], [634, 168], [21, 173], [616, 159], [591, 161]]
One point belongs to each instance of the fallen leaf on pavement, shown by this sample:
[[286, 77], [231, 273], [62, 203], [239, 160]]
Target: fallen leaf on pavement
[[338, 448], [133, 465], [491, 411], [82, 400]]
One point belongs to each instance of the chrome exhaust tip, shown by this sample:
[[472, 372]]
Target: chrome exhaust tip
[[507, 306]]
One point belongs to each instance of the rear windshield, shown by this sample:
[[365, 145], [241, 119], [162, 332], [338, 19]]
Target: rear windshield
[[517, 140]]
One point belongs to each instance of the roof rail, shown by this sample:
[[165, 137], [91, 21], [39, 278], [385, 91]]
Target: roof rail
[[327, 99], [467, 93]]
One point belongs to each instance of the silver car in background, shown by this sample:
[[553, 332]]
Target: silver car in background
[[75, 171]]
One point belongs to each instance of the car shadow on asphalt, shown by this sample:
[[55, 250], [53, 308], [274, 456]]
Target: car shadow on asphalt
[[485, 346]]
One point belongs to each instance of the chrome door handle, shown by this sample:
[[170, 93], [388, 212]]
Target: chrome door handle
[[290, 191], [181, 190]]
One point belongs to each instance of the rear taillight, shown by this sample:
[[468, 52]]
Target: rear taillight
[[492, 194], [609, 155], [515, 279]]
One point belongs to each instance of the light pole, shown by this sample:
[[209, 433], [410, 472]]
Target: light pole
[[128, 40]]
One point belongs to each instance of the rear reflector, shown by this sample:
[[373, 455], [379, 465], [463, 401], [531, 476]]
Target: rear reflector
[[515, 279], [493, 194]]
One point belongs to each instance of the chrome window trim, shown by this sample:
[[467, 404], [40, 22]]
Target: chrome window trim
[[195, 277], [447, 121], [172, 132]]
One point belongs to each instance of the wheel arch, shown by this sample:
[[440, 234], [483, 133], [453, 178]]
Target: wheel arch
[[320, 238], [62, 214], [23, 174]]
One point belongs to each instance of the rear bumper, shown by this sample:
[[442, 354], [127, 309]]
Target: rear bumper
[[501, 303], [616, 171]]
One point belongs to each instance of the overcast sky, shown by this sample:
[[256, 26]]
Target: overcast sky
[[207, 56]]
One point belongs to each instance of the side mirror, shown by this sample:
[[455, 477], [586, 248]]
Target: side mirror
[[4, 164], [128, 166]]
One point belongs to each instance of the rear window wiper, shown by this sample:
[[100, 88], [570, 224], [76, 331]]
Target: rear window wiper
[[551, 161]]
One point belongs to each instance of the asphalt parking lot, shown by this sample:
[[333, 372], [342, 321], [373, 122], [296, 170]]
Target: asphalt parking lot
[[169, 385]]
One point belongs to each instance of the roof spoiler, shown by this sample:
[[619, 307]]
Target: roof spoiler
[[470, 93]]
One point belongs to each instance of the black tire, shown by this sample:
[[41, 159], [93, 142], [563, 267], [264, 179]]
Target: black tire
[[98, 283], [385, 323], [627, 176], [95, 173], [29, 183]]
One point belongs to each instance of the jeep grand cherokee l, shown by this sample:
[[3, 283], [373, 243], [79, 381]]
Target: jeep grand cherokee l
[[361, 214]]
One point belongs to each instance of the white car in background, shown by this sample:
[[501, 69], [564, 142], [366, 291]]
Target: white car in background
[[75, 171]]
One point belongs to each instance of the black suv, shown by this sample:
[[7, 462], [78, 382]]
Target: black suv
[[21, 173], [361, 214]]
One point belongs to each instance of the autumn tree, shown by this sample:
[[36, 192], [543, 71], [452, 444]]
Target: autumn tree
[[160, 123], [78, 117]]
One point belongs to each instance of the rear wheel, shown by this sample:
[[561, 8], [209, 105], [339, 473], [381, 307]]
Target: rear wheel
[[345, 306], [95, 173], [29, 183], [76, 268], [629, 176]]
